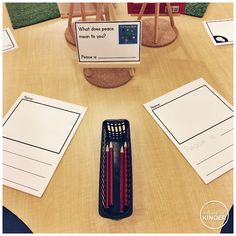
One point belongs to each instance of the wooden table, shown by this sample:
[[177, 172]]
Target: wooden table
[[168, 194]]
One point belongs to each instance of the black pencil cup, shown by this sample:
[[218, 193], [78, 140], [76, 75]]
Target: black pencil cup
[[117, 132]]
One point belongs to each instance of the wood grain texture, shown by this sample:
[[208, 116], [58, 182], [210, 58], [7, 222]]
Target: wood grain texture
[[167, 192]]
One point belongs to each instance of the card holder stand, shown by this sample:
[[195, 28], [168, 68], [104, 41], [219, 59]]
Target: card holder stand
[[117, 132]]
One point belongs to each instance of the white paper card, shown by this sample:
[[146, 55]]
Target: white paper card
[[106, 42], [220, 31], [200, 123], [36, 133], [8, 41]]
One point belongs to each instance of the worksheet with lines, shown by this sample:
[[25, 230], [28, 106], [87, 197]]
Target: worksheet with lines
[[36, 133], [200, 123]]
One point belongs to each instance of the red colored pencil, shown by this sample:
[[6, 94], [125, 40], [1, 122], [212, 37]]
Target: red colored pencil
[[125, 175], [111, 173], [121, 179], [107, 178]]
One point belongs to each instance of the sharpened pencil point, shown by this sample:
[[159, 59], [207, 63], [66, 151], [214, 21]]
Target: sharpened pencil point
[[111, 146], [121, 149], [125, 144], [107, 148]]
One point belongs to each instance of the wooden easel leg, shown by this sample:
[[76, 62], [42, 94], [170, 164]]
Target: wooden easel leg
[[70, 14], [99, 11], [132, 71], [96, 5], [70, 21], [156, 22], [142, 11], [170, 14], [82, 8], [106, 10]]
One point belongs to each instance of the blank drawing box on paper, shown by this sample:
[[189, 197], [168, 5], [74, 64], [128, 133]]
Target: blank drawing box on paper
[[36, 133], [191, 111], [42, 131]]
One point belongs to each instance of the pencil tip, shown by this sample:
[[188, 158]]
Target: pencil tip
[[107, 148], [125, 144], [111, 146], [121, 149]]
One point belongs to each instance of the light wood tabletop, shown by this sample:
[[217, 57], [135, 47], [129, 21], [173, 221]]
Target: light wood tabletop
[[167, 193]]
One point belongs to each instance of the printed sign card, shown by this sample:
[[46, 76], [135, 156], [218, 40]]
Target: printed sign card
[[117, 41]]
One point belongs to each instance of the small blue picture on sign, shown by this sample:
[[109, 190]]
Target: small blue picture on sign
[[128, 34]]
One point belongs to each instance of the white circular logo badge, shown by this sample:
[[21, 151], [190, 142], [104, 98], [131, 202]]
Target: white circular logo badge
[[214, 214]]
